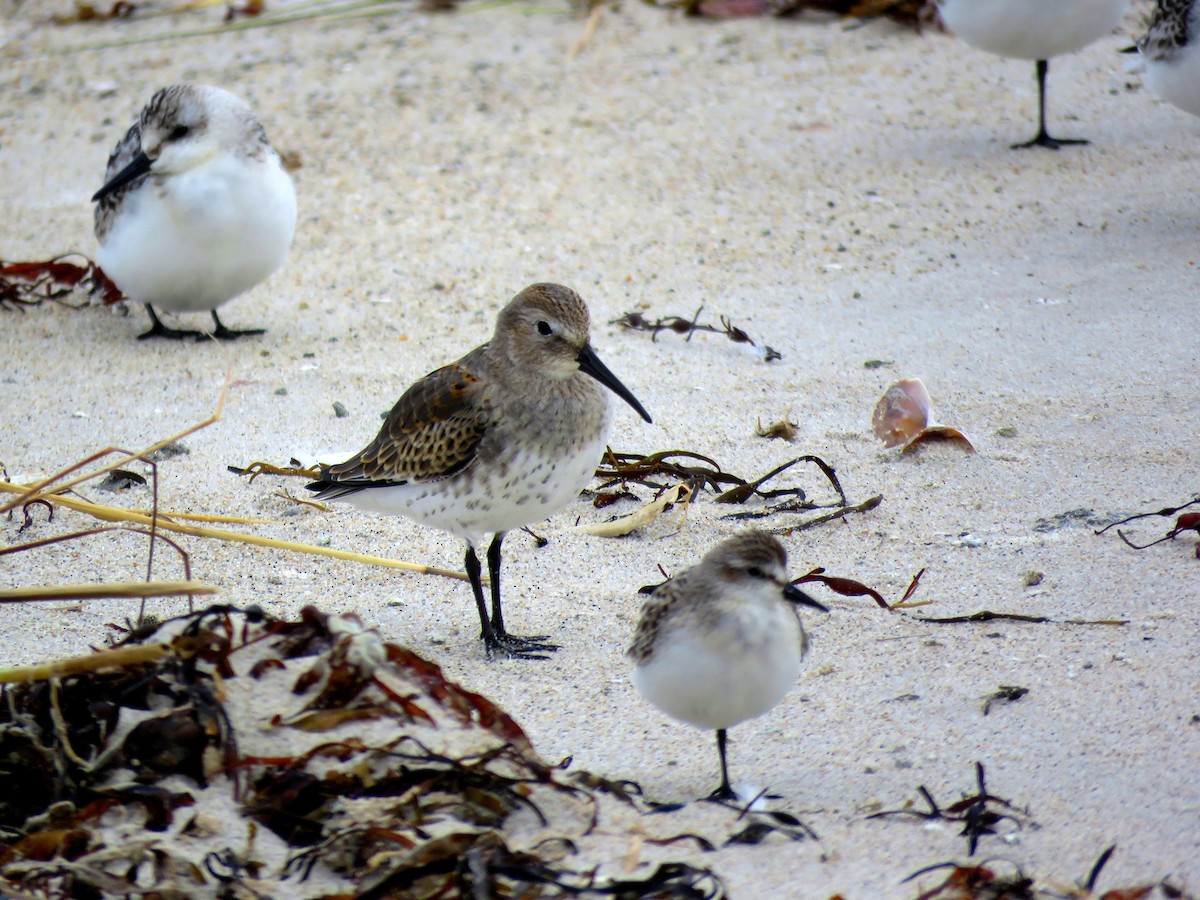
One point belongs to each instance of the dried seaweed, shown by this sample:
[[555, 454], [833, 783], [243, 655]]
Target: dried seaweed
[[974, 812], [986, 615], [635, 321], [967, 882], [1184, 523], [976, 883], [1006, 693], [916, 13], [403, 787], [848, 587], [32, 283]]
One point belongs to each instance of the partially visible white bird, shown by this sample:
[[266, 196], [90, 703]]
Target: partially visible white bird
[[1036, 30], [1170, 50], [196, 207]]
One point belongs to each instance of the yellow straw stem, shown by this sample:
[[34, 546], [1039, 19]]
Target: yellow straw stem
[[98, 591], [116, 514]]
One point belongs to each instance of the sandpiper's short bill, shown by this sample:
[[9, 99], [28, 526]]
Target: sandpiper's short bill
[[196, 207], [722, 642], [506, 436], [1036, 30]]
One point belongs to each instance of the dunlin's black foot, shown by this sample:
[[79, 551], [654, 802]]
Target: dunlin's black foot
[[514, 646], [221, 333], [158, 329]]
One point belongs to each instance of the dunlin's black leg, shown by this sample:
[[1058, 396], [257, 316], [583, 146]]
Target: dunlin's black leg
[[1043, 138], [158, 329], [533, 643], [498, 641]]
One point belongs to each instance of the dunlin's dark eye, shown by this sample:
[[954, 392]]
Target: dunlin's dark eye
[[756, 572], [543, 328], [178, 133]]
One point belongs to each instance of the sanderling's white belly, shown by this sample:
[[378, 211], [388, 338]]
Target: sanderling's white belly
[[718, 680], [1177, 80], [1031, 29], [202, 237]]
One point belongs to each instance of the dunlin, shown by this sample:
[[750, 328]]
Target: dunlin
[[509, 434], [196, 207], [1170, 49], [721, 642], [1033, 29]]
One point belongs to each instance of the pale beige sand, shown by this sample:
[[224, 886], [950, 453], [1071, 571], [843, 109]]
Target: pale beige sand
[[846, 193]]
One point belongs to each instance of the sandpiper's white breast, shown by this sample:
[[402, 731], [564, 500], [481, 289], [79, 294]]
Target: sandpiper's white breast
[[193, 240], [737, 669], [1031, 29], [1176, 78]]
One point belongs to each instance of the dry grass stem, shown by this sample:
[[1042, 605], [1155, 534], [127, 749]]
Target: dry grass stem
[[117, 514], [93, 662], [122, 589]]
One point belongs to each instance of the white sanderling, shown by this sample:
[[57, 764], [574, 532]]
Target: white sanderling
[[722, 642], [1171, 53], [1036, 30], [196, 207], [509, 434]]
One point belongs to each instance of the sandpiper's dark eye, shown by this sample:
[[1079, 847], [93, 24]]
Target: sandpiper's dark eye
[[543, 328], [178, 133], [756, 572]]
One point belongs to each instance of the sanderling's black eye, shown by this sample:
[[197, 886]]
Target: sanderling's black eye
[[756, 572], [543, 328], [178, 133]]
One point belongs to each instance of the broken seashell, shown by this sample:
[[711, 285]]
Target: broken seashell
[[903, 418]]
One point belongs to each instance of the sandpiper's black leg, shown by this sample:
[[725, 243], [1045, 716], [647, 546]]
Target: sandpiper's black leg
[[724, 792], [1043, 138], [158, 329], [228, 334], [495, 638]]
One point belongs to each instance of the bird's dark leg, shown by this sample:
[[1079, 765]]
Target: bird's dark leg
[[1043, 138], [724, 792], [228, 334], [158, 329], [495, 638]]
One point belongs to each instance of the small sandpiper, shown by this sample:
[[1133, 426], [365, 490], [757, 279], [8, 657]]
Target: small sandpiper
[[722, 642], [506, 436], [1035, 30], [196, 207], [1170, 49]]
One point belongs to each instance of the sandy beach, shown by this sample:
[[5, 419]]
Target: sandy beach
[[843, 192]]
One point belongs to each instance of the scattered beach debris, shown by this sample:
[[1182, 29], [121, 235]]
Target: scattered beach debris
[[903, 418], [32, 283], [915, 13], [643, 516], [967, 882], [979, 813], [635, 321], [1006, 693], [120, 480], [1183, 524], [976, 883], [986, 615], [785, 429], [1070, 518], [848, 587]]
